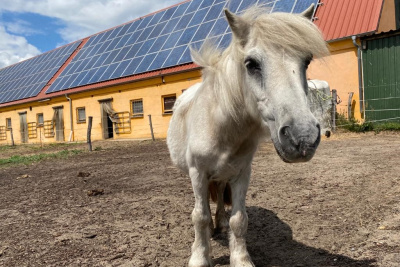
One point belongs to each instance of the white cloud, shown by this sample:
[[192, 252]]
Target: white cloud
[[21, 27], [79, 19], [83, 18], [14, 49]]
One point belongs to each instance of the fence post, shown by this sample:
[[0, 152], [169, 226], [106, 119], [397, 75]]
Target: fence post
[[349, 106], [334, 98], [40, 137], [89, 133], [151, 128], [12, 137]]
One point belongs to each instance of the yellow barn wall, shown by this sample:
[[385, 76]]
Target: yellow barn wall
[[340, 70], [14, 123], [151, 91], [31, 109]]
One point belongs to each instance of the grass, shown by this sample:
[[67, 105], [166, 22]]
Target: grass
[[6, 147], [353, 125], [53, 145], [36, 147], [17, 159]]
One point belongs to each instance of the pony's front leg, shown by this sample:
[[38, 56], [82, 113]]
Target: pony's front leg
[[239, 220], [201, 218]]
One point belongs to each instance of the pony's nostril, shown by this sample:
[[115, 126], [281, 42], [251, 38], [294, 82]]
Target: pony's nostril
[[284, 132]]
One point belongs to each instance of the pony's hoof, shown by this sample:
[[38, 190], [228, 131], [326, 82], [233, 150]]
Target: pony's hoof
[[209, 265], [212, 229], [242, 262], [222, 229], [199, 262], [222, 223]]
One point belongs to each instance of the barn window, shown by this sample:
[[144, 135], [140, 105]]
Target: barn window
[[137, 108], [40, 119], [8, 123], [81, 115], [168, 103]]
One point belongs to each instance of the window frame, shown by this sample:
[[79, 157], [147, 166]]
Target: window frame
[[78, 120], [167, 111], [37, 119], [8, 126], [136, 115]]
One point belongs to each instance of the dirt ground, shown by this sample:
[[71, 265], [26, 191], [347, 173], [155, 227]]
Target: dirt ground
[[126, 205]]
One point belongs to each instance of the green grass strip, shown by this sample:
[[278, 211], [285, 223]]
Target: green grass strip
[[35, 158]]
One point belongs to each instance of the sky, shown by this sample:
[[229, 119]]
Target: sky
[[31, 27]]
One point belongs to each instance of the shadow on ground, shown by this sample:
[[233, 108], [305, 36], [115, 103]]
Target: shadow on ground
[[270, 243]]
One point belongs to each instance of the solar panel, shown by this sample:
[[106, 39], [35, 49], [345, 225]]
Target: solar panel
[[159, 40], [26, 79]]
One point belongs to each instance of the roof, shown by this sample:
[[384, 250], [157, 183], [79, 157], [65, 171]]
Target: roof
[[143, 48], [338, 19], [134, 78]]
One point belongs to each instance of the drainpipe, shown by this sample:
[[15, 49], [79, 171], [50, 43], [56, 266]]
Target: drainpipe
[[360, 82], [70, 117]]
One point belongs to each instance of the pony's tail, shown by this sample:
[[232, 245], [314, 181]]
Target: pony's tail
[[227, 194]]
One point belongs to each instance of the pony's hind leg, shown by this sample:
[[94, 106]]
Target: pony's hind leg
[[221, 217], [239, 220], [201, 218]]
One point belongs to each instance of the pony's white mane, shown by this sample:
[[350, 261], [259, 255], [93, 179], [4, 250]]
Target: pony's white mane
[[292, 33]]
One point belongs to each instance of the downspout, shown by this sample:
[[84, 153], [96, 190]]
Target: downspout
[[71, 119], [360, 81]]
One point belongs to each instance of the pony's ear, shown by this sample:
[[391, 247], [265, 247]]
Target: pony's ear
[[239, 27], [308, 12]]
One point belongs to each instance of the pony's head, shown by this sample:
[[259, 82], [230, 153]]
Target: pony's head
[[273, 52]]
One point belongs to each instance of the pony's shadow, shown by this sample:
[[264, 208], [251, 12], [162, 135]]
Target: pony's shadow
[[270, 243]]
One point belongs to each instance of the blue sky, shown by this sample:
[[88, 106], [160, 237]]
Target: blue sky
[[40, 31], [31, 27]]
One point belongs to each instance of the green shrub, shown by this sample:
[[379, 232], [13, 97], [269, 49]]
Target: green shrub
[[353, 125]]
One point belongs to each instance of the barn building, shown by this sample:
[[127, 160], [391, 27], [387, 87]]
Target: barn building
[[360, 66], [129, 75]]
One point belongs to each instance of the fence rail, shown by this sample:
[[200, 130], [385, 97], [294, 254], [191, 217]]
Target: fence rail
[[123, 124], [48, 128], [32, 130], [3, 133]]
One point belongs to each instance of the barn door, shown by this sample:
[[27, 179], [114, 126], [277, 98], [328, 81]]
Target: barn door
[[23, 127], [107, 113], [381, 68], [58, 122]]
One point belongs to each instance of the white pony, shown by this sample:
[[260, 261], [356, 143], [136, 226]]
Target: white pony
[[254, 88]]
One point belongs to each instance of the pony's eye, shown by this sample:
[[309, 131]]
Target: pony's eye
[[252, 65], [308, 61]]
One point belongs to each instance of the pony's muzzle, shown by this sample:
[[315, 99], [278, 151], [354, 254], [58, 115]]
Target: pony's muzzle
[[299, 142]]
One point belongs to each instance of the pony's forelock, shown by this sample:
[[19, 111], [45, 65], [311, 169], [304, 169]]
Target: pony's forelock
[[294, 34]]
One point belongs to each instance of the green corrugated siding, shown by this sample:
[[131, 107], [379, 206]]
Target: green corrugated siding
[[381, 67]]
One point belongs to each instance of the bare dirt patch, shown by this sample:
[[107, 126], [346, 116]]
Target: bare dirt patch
[[126, 205]]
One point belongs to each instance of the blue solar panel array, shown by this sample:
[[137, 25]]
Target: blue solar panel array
[[27, 79], [158, 41]]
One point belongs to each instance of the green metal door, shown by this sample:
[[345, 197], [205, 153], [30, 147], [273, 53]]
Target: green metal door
[[381, 71]]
